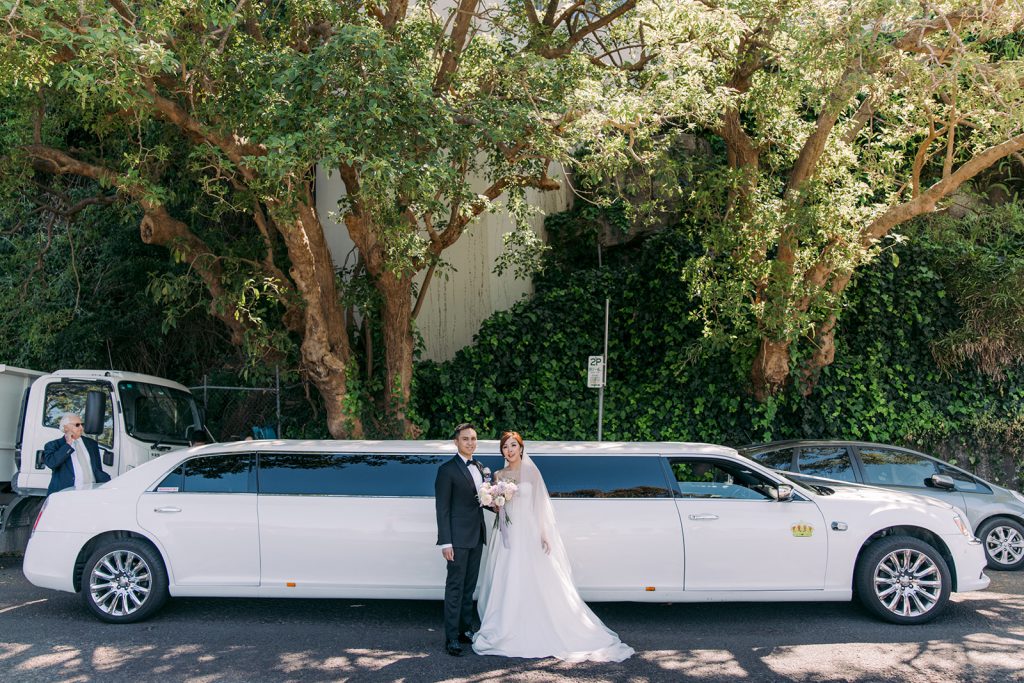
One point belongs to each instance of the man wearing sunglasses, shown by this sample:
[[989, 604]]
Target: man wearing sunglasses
[[74, 459]]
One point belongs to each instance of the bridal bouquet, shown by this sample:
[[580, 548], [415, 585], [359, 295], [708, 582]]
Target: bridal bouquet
[[498, 494]]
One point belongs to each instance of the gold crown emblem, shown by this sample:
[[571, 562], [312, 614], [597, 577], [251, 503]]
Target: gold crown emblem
[[802, 529]]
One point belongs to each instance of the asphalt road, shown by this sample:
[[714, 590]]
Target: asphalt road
[[47, 636]]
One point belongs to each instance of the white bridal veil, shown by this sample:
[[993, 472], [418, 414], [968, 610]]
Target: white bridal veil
[[544, 513]]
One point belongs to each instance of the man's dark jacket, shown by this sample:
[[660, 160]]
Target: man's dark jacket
[[57, 455], [460, 519]]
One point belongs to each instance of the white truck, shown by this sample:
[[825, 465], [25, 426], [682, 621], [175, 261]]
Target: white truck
[[134, 418]]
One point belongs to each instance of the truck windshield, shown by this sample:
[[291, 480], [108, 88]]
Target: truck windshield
[[156, 413]]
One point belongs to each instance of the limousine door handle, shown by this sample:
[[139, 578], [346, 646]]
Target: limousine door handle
[[167, 509], [700, 518]]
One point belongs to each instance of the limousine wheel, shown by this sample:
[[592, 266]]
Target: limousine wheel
[[1004, 543], [903, 580], [124, 581]]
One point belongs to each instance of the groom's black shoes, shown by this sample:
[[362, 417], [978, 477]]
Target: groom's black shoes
[[452, 648], [466, 637]]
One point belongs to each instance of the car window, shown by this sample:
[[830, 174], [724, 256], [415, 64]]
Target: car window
[[964, 482], [348, 474], [777, 460], [890, 467], [228, 473], [697, 478], [827, 461], [604, 477], [70, 397]]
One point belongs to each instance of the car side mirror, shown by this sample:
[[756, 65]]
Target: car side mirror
[[941, 481], [782, 492]]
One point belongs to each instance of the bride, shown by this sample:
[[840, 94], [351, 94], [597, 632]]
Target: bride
[[528, 604]]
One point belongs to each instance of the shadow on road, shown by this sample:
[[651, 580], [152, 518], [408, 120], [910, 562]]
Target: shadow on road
[[48, 636]]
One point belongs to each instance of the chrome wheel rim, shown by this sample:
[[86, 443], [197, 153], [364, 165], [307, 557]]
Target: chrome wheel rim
[[908, 583], [1005, 545], [120, 583]]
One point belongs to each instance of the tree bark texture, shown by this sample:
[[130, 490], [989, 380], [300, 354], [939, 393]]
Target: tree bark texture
[[396, 327], [325, 350], [770, 369]]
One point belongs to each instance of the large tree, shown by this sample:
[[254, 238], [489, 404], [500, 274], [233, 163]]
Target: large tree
[[835, 122], [409, 103]]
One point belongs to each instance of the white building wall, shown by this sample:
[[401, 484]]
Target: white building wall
[[454, 307]]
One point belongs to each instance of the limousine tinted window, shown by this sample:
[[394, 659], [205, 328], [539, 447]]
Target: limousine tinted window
[[211, 474], [604, 477], [340, 474]]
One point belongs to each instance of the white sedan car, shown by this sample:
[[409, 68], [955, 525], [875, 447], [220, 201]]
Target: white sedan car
[[649, 522]]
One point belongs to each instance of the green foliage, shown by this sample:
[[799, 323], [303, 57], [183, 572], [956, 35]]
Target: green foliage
[[526, 369], [74, 294], [985, 264], [820, 118]]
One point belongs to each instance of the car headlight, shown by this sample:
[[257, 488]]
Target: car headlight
[[964, 529]]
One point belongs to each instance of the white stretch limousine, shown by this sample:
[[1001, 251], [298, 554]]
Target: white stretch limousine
[[650, 522]]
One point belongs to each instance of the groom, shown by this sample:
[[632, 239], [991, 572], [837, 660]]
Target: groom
[[461, 535]]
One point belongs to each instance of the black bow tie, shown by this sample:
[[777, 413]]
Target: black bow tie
[[471, 462]]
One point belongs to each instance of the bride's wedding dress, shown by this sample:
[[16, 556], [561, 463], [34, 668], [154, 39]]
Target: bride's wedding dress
[[528, 604]]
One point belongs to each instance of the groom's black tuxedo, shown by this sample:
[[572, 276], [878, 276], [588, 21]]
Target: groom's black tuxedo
[[460, 522], [460, 519]]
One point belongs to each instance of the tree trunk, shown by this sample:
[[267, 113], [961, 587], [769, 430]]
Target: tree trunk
[[824, 354], [396, 327], [771, 368], [326, 355]]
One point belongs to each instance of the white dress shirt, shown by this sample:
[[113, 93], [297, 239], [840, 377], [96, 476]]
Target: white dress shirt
[[82, 465]]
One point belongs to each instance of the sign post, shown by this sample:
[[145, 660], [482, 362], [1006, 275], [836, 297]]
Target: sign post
[[597, 374]]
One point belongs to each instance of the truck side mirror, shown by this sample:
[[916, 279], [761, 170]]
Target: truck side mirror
[[95, 408]]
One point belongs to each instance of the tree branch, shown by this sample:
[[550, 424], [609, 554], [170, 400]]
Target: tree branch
[[913, 40], [531, 15], [157, 227], [591, 27], [395, 13], [927, 200], [233, 147], [814, 146], [457, 43]]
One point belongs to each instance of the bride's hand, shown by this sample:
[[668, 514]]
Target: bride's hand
[[545, 546]]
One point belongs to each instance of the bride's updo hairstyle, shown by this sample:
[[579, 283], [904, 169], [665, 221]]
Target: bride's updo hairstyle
[[511, 435]]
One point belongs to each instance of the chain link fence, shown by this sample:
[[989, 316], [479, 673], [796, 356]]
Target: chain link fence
[[235, 412]]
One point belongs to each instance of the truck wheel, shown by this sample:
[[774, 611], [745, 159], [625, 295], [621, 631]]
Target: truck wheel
[[124, 581], [1003, 539], [903, 580]]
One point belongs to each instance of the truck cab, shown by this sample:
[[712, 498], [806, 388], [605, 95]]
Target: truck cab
[[140, 417]]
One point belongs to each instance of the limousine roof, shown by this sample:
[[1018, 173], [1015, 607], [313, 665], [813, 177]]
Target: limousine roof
[[484, 447]]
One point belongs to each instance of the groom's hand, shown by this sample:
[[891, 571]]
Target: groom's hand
[[448, 554]]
